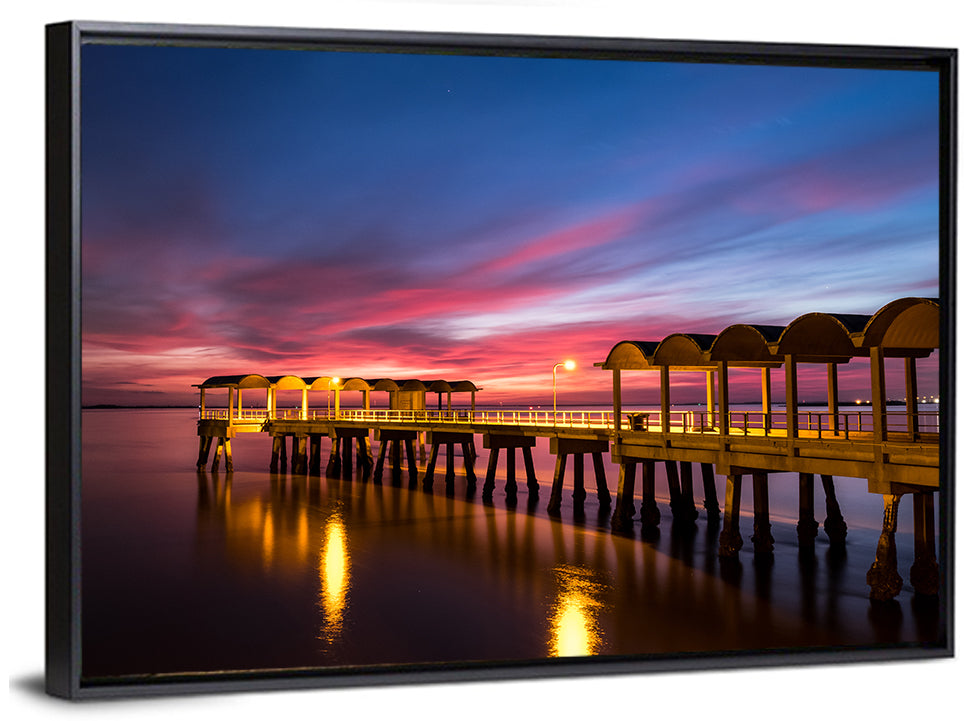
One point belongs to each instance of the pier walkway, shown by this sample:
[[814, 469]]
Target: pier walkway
[[897, 448]]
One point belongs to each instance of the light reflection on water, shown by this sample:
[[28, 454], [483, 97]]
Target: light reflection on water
[[334, 571], [574, 616], [188, 571]]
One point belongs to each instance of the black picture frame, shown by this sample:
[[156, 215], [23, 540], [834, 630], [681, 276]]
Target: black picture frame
[[63, 334]]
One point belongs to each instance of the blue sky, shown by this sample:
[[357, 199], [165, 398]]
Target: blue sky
[[477, 217]]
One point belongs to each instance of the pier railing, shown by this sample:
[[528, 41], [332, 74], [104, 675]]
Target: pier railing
[[843, 425], [813, 424]]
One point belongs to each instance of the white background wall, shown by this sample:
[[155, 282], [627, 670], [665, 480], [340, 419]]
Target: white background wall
[[891, 690]]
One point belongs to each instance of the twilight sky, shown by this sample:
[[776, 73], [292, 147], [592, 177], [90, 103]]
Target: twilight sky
[[386, 215]]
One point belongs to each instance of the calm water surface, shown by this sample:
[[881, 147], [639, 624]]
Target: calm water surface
[[189, 572]]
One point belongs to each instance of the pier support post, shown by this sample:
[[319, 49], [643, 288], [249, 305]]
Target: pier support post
[[223, 448], [531, 483], [345, 456], [218, 450], [834, 525], [436, 439], [489, 486], [276, 443], [578, 480], [710, 500], [363, 453], [622, 520], [428, 480], [730, 540], [649, 510], [468, 459], [203, 451], [688, 510], [555, 495], [807, 525], [924, 573], [412, 466], [762, 538], [449, 464], [562, 448], [314, 455], [884, 580], [380, 463], [299, 455], [396, 461], [599, 469], [672, 481], [334, 459], [509, 443]]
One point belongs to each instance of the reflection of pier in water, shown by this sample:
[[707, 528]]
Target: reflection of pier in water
[[576, 587], [897, 452]]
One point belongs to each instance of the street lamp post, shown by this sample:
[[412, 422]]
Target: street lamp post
[[568, 365], [330, 381]]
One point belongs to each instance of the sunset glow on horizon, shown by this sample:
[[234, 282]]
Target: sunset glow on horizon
[[482, 218]]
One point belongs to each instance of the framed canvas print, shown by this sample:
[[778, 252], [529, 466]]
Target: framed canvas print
[[379, 357]]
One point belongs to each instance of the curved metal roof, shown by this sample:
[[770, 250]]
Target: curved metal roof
[[905, 327], [288, 382], [746, 345], [631, 355], [253, 380], [820, 337], [322, 383], [440, 386], [684, 351]]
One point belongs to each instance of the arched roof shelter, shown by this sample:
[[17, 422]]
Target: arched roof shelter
[[907, 327], [630, 355], [820, 338], [321, 383], [253, 380], [684, 351], [354, 384], [746, 345], [288, 382]]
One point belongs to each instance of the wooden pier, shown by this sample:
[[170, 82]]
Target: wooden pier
[[897, 451]]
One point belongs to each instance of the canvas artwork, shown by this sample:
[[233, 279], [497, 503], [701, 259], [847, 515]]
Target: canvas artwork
[[441, 358]]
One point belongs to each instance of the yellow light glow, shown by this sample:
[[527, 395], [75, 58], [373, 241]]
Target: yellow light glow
[[335, 573], [574, 630], [569, 365], [267, 539]]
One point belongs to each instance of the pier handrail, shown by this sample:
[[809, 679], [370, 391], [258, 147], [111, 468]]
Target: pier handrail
[[920, 426]]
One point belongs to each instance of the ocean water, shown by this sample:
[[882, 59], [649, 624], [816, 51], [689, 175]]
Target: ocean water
[[189, 572]]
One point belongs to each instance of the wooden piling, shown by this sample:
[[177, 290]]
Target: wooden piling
[[884, 580], [649, 510], [314, 455], [204, 450], [675, 494], [555, 494], [711, 502], [807, 525], [762, 538], [924, 573], [730, 540], [834, 525], [509, 443], [622, 519], [688, 510], [599, 469]]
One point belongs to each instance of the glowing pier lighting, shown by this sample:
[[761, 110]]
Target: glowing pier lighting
[[568, 365]]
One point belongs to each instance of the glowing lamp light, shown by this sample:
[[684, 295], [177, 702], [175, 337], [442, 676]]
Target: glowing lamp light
[[336, 380], [568, 365]]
